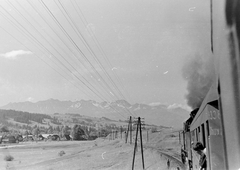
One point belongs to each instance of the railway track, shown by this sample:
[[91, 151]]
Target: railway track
[[172, 158], [176, 162]]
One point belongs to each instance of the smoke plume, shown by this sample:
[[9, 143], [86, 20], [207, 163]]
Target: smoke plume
[[200, 74]]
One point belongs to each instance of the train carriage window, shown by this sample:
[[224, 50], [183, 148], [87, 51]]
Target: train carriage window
[[207, 128], [196, 137], [203, 135], [199, 134], [193, 136]]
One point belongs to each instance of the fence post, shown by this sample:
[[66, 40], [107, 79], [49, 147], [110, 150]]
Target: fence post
[[128, 129], [147, 135]]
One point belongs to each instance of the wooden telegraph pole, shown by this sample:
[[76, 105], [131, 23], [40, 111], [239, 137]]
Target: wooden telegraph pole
[[127, 133], [147, 135], [140, 125], [141, 143], [129, 130], [135, 147], [121, 131], [130, 123]]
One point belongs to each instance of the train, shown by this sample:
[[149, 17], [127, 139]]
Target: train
[[216, 123], [205, 126]]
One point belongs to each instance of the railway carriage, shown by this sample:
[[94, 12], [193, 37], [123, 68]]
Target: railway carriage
[[205, 126], [216, 123]]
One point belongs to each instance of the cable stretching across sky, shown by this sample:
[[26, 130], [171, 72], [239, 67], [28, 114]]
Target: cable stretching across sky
[[81, 52], [70, 67], [84, 21], [94, 55]]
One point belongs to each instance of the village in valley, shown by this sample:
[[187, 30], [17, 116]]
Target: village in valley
[[39, 141]]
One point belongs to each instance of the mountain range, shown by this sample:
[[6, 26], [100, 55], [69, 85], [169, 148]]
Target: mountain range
[[158, 114]]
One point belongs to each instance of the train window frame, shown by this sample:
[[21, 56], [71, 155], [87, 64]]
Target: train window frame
[[207, 126], [203, 134], [199, 133], [192, 136], [196, 133], [207, 145]]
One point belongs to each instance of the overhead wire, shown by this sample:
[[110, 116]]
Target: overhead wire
[[64, 31], [94, 55], [94, 69], [102, 52], [62, 57], [59, 36], [69, 37], [85, 22], [43, 60], [74, 43], [42, 46], [115, 109], [66, 62]]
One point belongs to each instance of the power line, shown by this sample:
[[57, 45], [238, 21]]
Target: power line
[[87, 46], [71, 40], [93, 90], [92, 52], [96, 42], [39, 44], [43, 60]]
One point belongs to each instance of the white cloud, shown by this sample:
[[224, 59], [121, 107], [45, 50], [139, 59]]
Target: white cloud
[[175, 105], [171, 106], [13, 54], [156, 104], [30, 99]]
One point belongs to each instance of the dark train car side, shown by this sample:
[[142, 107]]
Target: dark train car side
[[205, 126], [216, 123]]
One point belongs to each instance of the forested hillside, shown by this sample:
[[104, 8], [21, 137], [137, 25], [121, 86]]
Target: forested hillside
[[22, 117]]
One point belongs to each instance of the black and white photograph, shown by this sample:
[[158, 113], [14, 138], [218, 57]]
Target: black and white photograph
[[119, 84]]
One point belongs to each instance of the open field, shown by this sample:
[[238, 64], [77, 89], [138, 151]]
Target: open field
[[101, 154]]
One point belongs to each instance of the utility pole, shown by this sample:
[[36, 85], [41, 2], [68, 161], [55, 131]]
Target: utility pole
[[112, 135], [130, 123], [139, 120], [135, 147], [147, 135], [139, 123], [121, 131]]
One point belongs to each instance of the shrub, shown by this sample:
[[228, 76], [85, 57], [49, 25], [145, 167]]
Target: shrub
[[8, 158], [77, 133], [61, 153], [154, 129]]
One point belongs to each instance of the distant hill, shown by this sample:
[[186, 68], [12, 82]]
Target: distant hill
[[22, 117], [119, 110]]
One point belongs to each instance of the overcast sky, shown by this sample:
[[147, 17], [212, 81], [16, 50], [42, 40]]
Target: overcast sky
[[136, 49]]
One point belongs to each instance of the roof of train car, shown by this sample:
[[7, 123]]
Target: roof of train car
[[211, 96]]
